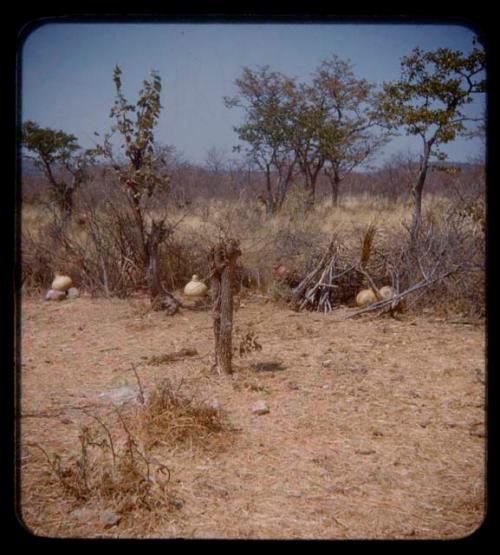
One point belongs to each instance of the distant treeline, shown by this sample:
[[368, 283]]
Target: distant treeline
[[233, 180]]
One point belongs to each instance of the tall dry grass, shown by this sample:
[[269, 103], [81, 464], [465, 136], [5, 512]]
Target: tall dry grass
[[103, 261]]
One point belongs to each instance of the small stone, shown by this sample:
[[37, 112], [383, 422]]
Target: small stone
[[260, 407], [122, 394], [365, 451], [327, 363], [73, 293], [53, 295], [83, 514], [215, 405], [109, 518]]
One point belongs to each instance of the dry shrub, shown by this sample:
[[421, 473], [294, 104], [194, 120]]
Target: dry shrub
[[114, 467], [171, 417], [443, 270], [451, 242], [121, 476], [448, 260], [182, 256], [103, 254], [99, 250], [281, 292], [39, 261]]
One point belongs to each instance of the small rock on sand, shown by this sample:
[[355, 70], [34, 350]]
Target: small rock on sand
[[260, 407], [53, 295], [109, 518], [73, 293]]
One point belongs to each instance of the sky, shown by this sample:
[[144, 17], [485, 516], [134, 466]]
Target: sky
[[66, 72]]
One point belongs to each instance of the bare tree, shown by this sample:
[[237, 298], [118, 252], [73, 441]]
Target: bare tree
[[222, 260]]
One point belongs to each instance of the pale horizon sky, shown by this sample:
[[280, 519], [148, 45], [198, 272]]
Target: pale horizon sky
[[66, 71]]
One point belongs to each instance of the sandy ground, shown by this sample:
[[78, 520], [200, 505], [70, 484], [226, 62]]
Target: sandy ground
[[376, 427]]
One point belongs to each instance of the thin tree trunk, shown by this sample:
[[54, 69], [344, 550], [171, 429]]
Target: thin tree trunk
[[155, 237], [222, 264], [335, 183], [66, 205], [311, 181], [417, 191], [284, 185], [270, 201]]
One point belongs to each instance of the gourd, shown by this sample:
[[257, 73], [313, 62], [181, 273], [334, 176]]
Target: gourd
[[195, 288], [386, 292], [61, 283], [365, 297]]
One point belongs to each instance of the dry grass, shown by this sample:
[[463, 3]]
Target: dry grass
[[170, 417], [293, 237], [114, 470], [376, 427]]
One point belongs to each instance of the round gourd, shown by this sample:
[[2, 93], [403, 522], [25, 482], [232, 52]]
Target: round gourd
[[61, 283], [195, 288], [386, 292], [366, 297]]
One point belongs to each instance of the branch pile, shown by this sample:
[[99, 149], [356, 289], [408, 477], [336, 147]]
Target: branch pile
[[331, 282], [411, 269]]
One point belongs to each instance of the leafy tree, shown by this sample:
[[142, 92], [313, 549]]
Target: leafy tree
[[266, 98], [309, 114], [429, 100], [61, 159], [140, 170], [347, 137]]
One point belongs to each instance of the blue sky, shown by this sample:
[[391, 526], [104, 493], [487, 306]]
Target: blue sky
[[67, 70]]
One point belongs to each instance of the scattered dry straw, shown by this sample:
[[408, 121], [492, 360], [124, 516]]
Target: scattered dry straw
[[171, 417]]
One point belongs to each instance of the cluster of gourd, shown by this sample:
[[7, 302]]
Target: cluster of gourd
[[367, 297], [62, 288]]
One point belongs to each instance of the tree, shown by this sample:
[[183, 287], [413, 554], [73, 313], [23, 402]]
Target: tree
[[308, 117], [140, 171], [222, 260], [62, 161], [215, 161], [266, 98], [346, 137], [429, 100]]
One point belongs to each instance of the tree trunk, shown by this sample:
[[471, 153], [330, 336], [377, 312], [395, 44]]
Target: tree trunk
[[270, 201], [154, 239], [222, 261], [335, 182], [311, 197], [66, 205], [284, 184], [311, 181], [416, 194], [417, 191]]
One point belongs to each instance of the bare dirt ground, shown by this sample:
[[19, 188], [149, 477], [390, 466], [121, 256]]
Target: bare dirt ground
[[376, 426]]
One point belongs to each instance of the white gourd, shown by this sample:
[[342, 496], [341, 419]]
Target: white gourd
[[387, 292], [195, 288], [61, 283]]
